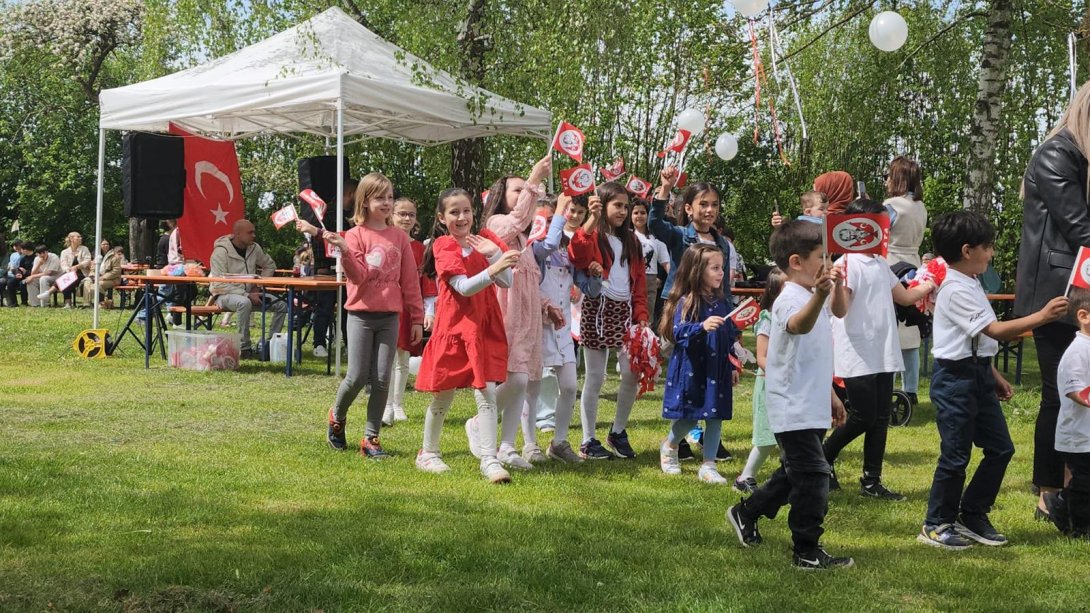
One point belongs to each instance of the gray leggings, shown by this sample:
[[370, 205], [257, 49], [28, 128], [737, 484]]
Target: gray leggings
[[372, 346]]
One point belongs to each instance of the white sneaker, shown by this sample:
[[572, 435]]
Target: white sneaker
[[321, 352], [44, 295], [668, 460], [562, 452], [708, 474], [509, 457], [533, 454], [388, 416], [431, 462], [494, 471], [399, 414], [471, 434]]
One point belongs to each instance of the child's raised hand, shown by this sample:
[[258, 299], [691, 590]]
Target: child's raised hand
[[1055, 309], [777, 220], [306, 227], [483, 246], [667, 180], [712, 323], [824, 282], [836, 274], [336, 240], [563, 201], [595, 269], [542, 169], [508, 259]]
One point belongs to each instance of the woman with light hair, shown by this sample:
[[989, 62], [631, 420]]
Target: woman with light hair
[[1056, 222], [908, 220]]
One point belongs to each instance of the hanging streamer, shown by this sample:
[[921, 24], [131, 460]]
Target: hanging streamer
[[777, 48], [760, 79]]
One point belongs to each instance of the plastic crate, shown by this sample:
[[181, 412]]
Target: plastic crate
[[199, 350]]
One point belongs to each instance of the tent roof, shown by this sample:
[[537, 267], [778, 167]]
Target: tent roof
[[291, 82]]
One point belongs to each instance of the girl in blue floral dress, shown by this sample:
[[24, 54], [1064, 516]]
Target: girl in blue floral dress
[[700, 376]]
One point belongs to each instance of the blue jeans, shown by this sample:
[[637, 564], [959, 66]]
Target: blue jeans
[[910, 378], [967, 412]]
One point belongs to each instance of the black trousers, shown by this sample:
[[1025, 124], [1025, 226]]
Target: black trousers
[[1051, 340], [967, 413], [802, 480], [869, 400], [1077, 493]]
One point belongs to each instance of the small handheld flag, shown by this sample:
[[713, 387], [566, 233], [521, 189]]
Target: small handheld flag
[[745, 314], [316, 204], [577, 180], [569, 140], [856, 233], [638, 186], [539, 228], [614, 170], [1080, 272], [284, 216]]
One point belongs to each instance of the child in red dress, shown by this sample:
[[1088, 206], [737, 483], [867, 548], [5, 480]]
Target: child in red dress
[[468, 346]]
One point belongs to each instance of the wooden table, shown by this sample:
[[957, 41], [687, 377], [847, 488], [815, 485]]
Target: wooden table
[[290, 284]]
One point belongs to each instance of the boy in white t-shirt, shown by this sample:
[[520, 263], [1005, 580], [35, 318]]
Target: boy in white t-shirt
[[867, 356], [966, 388], [798, 394], [1070, 508], [655, 254]]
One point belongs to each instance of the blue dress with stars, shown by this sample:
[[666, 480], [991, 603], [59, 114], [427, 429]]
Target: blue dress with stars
[[698, 378]]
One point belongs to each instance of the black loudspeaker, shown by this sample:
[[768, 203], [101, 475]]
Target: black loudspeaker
[[320, 174], [153, 175]]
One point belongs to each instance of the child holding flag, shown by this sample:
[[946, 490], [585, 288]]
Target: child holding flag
[[868, 354], [966, 388], [700, 376]]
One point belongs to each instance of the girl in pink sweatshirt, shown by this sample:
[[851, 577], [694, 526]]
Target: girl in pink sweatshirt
[[382, 282]]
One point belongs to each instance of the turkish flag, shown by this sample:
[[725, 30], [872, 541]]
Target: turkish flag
[[213, 194], [577, 180], [1080, 272], [638, 186], [856, 233], [569, 140], [540, 227], [284, 216], [745, 314], [614, 170]]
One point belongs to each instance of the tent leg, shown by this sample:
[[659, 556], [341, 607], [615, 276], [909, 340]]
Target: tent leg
[[340, 228], [98, 219]]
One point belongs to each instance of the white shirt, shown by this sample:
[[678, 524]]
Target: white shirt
[[617, 286], [962, 311], [655, 253], [1073, 375], [865, 339], [799, 373]]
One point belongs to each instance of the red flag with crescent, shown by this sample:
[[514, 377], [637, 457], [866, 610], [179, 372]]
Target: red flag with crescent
[[213, 194], [577, 180]]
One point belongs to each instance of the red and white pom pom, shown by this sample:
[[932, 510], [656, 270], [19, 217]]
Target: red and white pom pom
[[935, 272], [644, 356]]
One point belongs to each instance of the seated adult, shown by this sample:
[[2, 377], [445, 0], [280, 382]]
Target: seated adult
[[239, 254], [7, 277], [107, 276], [16, 286], [75, 257], [46, 269]]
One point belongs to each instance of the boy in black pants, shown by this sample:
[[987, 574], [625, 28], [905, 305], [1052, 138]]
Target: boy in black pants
[[966, 388], [1070, 508], [799, 389]]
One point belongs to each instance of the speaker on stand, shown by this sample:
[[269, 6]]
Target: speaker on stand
[[153, 175]]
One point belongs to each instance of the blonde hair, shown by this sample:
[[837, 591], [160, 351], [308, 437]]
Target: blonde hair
[[811, 199], [371, 186], [1077, 121]]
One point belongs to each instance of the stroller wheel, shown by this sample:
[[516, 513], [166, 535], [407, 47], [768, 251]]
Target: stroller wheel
[[900, 409]]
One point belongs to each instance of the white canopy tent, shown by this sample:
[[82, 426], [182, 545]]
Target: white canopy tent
[[327, 76]]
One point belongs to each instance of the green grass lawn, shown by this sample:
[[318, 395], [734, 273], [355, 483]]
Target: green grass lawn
[[158, 490]]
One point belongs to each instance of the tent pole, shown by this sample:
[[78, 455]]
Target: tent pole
[[340, 225], [98, 219]]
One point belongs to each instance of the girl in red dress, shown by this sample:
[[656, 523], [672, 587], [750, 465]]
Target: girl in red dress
[[405, 218], [468, 346]]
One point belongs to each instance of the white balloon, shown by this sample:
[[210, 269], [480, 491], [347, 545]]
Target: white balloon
[[750, 8], [726, 147], [888, 31], [691, 120]]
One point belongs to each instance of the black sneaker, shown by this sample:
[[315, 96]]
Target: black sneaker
[[684, 451], [874, 489], [746, 486], [978, 528], [834, 483], [335, 433], [746, 530], [819, 559], [943, 536], [618, 442], [593, 450], [722, 455], [913, 398], [1057, 511]]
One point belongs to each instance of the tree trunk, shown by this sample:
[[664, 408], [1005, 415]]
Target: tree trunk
[[979, 193], [467, 157], [143, 240]]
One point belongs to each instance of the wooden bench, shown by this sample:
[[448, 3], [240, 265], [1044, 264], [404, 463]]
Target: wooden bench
[[202, 316]]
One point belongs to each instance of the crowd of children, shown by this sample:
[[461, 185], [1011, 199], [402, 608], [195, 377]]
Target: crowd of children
[[504, 305]]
